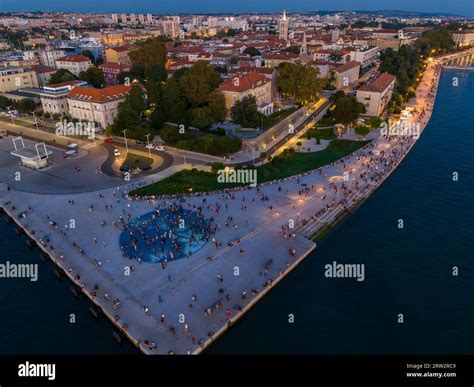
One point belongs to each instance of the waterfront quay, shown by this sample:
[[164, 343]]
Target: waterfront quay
[[259, 235]]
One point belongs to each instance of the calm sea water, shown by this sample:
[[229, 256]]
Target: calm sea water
[[407, 270]]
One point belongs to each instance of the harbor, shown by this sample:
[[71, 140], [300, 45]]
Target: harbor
[[244, 246]]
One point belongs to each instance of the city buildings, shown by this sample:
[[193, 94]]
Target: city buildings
[[377, 94], [171, 27], [97, 105], [346, 75], [54, 97], [365, 55], [119, 54], [111, 71], [242, 85], [45, 56], [75, 64], [463, 38], [14, 78], [283, 27], [275, 59]]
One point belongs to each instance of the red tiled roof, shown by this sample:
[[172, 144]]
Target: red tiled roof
[[349, 65], [74, 58], [245, 82], [335, 52], [387, 31], [43, 69], [106, 94], [108, 65], [282, 56], [62, 84], [124, 48], [252, 69], [380, 84]]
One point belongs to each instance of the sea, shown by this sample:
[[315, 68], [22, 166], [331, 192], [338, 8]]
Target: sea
[[414, 236]]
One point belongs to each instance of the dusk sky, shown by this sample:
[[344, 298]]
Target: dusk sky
[[460, 7]]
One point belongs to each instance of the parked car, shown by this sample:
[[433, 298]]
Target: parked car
[[161, 148], [140, 142], [145, 168], [116, 153], [126, 168], [150, 146], [109, 139]]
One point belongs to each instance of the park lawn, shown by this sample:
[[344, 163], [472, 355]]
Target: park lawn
[[285, 165], [292, 163], [276, 117], [321, 134], [137, 161], [327, 120], [180, 182]]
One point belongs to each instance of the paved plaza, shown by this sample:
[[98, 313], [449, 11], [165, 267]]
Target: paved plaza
[[176, 306]]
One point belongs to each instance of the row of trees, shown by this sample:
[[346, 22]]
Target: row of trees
[[25, 105], [189, 97], [93, 76], [407, 63], [207, 143], [299, 82], [346, 108]]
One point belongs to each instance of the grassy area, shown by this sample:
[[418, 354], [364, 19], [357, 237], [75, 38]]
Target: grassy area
[[276, 117], [327, 120], [137, 161], [287, 164], [320, 134], [181, 182], [291, 163]]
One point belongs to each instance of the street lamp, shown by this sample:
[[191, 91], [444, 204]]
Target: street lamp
[[125, 137], [36, 121], [148, 143], [11, 115]]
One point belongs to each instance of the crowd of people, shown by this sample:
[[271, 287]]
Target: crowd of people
[[206, 216]]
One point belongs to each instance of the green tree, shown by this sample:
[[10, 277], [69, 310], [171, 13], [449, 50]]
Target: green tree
[[178, 74], [215, 167], [4, 102], [171, 135], [245, 113], [172, 104], [293, 49], [198, 83], [93, 76], [151, 52], [62, 75], [300, 82], [89, 54], [252, 51], [336, 96], [374, 122], [156, 73], [201, 117], [129, 116], [217, 107], [26, 105], [347, 110], [335, 57], [362, 130]]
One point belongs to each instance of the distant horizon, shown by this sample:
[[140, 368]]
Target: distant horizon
[[454, 7]]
